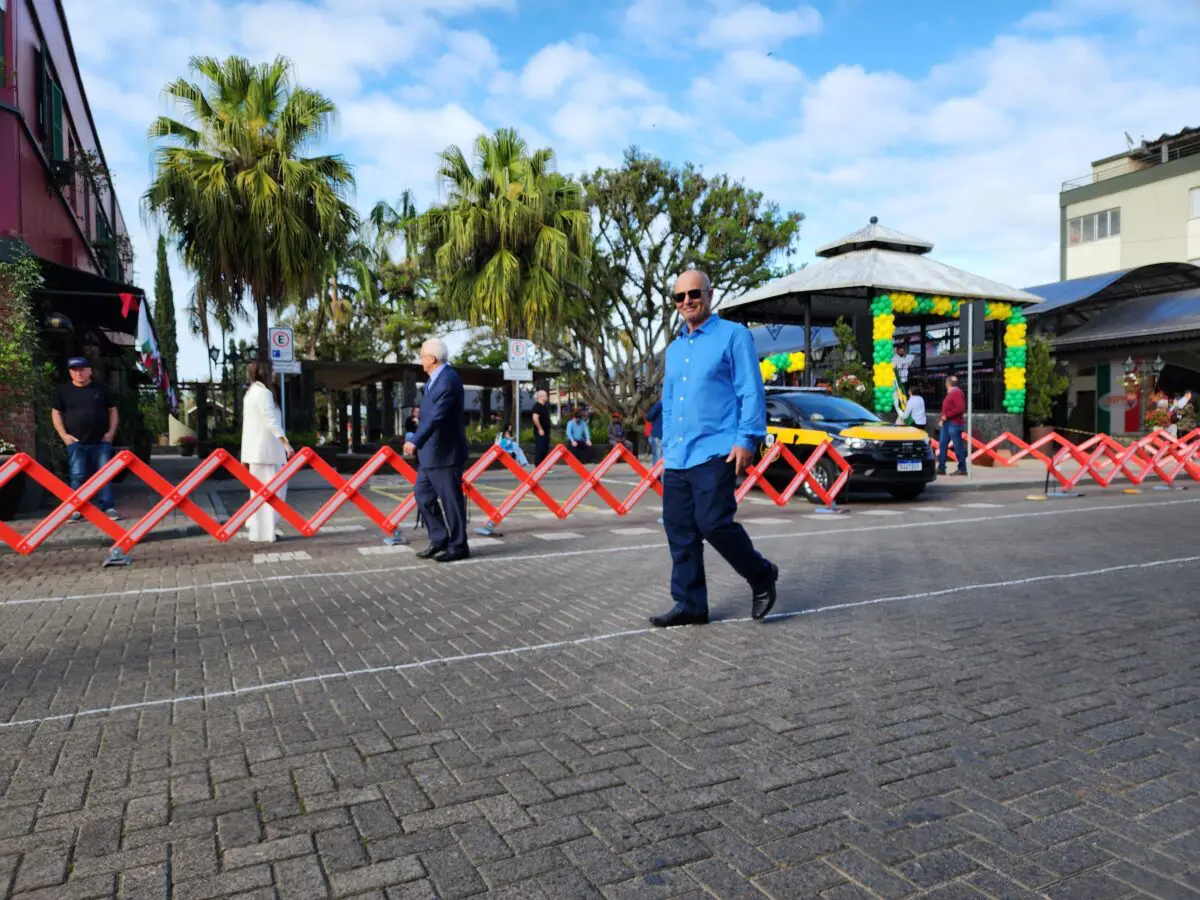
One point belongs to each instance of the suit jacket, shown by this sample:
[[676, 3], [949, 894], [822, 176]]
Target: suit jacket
[[441, 439], [262, 430]]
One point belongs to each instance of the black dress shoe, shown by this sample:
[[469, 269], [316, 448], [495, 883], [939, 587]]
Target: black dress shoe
[[764, 596], [452, 555], [678, 616], [430, 552]]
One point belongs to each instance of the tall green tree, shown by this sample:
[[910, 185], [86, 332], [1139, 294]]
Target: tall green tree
[[653, 221], [249, 211], [164, 313], [511, 242]]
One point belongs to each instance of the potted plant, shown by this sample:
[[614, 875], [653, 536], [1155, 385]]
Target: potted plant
[[1044, 384], [187, 445]]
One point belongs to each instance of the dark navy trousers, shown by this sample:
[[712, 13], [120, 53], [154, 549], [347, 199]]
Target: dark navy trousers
[[439, 489], [698, 506]]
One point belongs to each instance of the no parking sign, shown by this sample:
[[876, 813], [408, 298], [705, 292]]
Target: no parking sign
[[280, 340]]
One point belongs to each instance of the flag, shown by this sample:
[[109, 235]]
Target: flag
[[147, 350]]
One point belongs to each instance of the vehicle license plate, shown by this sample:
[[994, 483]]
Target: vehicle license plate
[[908, 465]]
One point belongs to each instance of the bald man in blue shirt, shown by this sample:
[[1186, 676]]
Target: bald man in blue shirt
[[714, 417]]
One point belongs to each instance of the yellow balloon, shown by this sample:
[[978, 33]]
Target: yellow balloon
[[796, 362]]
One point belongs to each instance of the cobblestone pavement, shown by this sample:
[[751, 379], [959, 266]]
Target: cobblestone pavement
[[980, 698]]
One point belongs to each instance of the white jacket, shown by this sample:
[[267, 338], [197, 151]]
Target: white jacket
[[262, 429]]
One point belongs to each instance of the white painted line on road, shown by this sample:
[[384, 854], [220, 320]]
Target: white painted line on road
[[881, 512], [290, 556], [385, 549], [558, 535], [543, 515], [765, 520], [344, 674], [341, 529], [933, 509], [485, 542], [981, 505], [1143, 503], [635, 530]]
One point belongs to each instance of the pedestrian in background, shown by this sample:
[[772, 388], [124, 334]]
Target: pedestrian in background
[[85, 417], [616, 433], [579, 437], [655, 419], [440, 446], [541, 427], [265, 446], [714, 418], [954, 410]]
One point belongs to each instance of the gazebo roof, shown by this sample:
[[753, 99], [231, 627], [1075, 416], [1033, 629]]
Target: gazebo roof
[[857, 267], [875, 236]]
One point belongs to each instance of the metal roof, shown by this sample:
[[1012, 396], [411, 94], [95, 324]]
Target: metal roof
[[1158, 317], [1111, 286]]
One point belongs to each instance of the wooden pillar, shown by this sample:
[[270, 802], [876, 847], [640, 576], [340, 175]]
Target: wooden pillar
[[372, 412], [343, 420], [389, 409], [808, 363], [998, 365], [202, 412], [356, 420], [307, 400]]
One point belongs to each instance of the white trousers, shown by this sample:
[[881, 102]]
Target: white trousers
[[262, 523]]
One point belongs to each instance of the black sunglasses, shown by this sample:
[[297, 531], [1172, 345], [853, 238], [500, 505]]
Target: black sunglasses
[[694, 294]]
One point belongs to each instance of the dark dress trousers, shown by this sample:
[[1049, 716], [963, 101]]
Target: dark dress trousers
[[441, 442]]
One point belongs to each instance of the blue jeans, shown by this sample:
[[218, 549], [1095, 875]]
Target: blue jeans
[[952, 432], [698, 506], [655, 450], [87, 459]]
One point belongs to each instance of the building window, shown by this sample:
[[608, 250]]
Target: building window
[[3, 61], [1094, 227], [50, 109], [1193, 198]]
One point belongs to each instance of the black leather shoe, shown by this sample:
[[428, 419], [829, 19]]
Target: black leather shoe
[[764, 596], [452, 555], [678, 616], [430, 552]]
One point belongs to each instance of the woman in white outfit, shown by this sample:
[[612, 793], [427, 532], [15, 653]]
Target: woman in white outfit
[[265, 447]]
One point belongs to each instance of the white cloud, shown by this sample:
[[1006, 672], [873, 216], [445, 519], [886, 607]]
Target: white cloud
[[549, 70], [747, 83], [755, 25]]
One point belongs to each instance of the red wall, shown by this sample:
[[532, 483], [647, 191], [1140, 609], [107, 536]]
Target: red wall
[[57, 225]]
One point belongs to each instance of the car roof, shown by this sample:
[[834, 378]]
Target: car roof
[[784, 389]]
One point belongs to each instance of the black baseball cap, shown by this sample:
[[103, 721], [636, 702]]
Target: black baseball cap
[[78, 362]]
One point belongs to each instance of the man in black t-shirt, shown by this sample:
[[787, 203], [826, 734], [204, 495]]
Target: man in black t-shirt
[[85, 417], [541, 428]]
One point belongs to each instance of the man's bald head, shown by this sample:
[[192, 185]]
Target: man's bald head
[[693, 297]]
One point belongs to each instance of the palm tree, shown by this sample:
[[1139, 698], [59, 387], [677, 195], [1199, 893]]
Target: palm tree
[[248, 211], [511, 240]]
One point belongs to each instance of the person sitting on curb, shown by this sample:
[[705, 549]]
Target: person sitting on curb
[[579, 437], [506, 443]]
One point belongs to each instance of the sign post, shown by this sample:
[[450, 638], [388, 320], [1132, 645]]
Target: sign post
[[280, 340], [517, 371]]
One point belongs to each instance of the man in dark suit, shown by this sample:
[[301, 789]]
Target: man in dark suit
[[440, 446]]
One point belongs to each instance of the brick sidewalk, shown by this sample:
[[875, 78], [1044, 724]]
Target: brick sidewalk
[[510, 726]]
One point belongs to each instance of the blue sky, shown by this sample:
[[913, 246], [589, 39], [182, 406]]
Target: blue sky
[[955, 122]]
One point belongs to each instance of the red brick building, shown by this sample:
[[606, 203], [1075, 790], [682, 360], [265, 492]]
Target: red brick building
[[57, 200]]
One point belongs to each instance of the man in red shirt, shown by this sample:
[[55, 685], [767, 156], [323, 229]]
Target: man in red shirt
[[954, 409]]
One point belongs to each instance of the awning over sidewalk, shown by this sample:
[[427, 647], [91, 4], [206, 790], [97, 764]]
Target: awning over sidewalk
[[1161, 317]]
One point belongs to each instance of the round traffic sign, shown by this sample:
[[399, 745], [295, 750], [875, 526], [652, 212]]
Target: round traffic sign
[[281, 339]]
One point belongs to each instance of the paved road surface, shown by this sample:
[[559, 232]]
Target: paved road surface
[[986, 697]]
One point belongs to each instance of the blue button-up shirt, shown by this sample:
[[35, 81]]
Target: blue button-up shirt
[[578, 431], [713, 397]]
